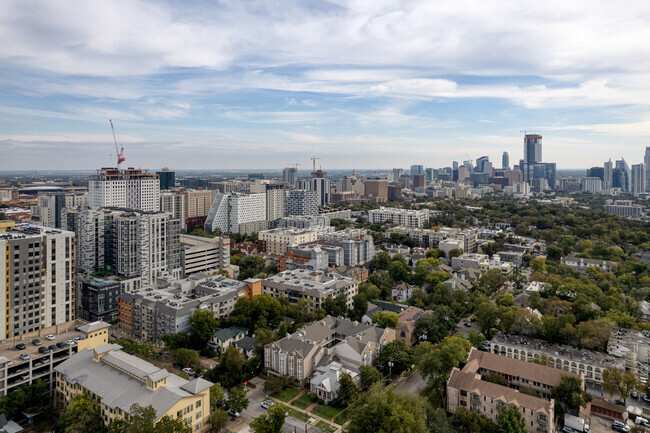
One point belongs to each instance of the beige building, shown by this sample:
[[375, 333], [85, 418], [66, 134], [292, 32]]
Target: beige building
[[198, 202], [117, 380], [278, 240], [315, 286], [377, 188]]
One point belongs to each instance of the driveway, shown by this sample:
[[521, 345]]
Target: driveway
[[414, 384]]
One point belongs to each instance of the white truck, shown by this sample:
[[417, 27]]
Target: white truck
[[577, 424]]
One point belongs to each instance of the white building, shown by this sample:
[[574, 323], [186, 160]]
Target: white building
[[402, 217], [200, 254], [129, 188], [316, 286], [301, 203], [638, 179], [175, 204], [48, 211], [592, 184], [237, 213]]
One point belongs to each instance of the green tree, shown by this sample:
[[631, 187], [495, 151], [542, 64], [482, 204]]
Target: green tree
[[496, 378], [218, 419], [511, 420], [186, 357], [143, 420], [81, 415], [399, 354], [359, 307], [203, 323], [437, 361], [336, 307], [216, 395], [554, 253], [465, 421], [475, 338], [380, 261], [369, 290], [385, 319], [348, 391], [275, 384], [570, 393], [270, 422], [486, 316], [263, 311], [491, 280], [456, 252], [538, 265], [382, 410], [367, 376], [399, 271], [237, 400]]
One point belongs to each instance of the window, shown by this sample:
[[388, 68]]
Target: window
[[198, 404], [198, 415]]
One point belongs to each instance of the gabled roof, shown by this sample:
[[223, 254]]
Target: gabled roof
[[225, 334], [94, 326], [197, 385]]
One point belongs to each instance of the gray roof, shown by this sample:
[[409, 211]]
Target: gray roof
[[246, 343], [225, 334], [94, 326], [197, 385], [119, 389]]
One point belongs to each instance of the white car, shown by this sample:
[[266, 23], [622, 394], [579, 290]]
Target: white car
[[70, 342], [643, 380], [189, 371], [49, 337], [24, 356]]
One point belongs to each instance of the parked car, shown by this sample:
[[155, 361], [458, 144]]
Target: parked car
[[25, 377], [43, 350], [642, 421], [70, 342], [189, 371], [646, 398], [634, 395], [61, 344], [49, 337], [619, 402], [36, 342], [24, 356], [643, 380], [567, 429], [620, 427], [266, 403], [20, 346], [77, 339], [52, 347], [234, 414], [467, 324]]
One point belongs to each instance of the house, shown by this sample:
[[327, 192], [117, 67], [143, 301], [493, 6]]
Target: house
[[581, 264], [456, 283], [246, 346], [401, 292], [325, 383], [469, 274], [406, 323], [222, 338]]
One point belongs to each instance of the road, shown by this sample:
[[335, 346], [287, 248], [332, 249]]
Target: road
[[413, 384]]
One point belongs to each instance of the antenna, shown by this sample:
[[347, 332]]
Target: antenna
[[119, 152]]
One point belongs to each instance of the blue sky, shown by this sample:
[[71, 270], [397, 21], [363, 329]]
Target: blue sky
[[361, 84]]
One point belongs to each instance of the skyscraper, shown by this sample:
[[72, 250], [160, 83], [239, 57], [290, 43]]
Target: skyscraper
[[637, 184], [625, 175], [237, 213], [130, 188], [290, 175], [646, 161], [480, 164], [417, 169], [505, 161], [532, 148], [397, 173], [167, 178], [608, 174]]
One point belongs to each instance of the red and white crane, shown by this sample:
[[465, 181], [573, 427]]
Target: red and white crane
[[118, 152]]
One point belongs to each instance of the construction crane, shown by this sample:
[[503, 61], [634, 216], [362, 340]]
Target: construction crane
[[119, 152], [313, 158]]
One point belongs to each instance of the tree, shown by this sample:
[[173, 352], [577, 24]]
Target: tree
[[619, 382], [436, 326], [382, 410], [496, 378], [270, 422], [348, 391], [538, 265], [385, 319], [367, 376], [475, 338], [237, 400], [399, 271], [359, 307], [336, 307], [554, 253], [399, 354], [81, 415], [263, 337], [218, 419], [611, 376], [263, 311], [216, 395], [456, 252], [369, 290], [511, 420], [486, 316], [380, 261], [570, 393], [434, 362], [143, 420], [491, 280], [275, 384], [186, 357], [437, 420], [465, 421], [203, 323]]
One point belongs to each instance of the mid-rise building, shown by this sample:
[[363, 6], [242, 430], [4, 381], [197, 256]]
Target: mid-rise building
[[174, 203], [358, 247], [592, 184], [237, 213], [310, 257], [320, 185], [468, 261], [304, 222], [625, 208], [118, 380], [398, 216], [315, 286], [167, 178], [290, 175], [130, 188], [377, 188], [301, 203], [278, 240], [637, 184], [48, 211], [430, 238], [200, 254], [581, 264], [275, 206], [38, 279]]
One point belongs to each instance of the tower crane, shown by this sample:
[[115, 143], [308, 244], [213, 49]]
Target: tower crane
[[313, 158], [119, 152]]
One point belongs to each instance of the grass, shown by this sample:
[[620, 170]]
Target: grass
[[305, 400], [301, 416], [286, 394], [327, 412], [325, 426]]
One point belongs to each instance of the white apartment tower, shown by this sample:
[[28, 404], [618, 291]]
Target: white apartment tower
[[237, 213], [174, 203], [638, 185], [646, 161], [130, 188]]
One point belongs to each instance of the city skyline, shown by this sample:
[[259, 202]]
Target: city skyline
[[266, 85]]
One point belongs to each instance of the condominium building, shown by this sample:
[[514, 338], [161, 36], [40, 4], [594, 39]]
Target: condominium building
[[431, 238], [315, 286], [638, 179], [592, 184], [200, 254], [117, 381], [278, 240], [398, 216], [320, 186], [468, 261], [130, 188], [47, 212], [377, 188], [310, 257], [149, 314], [625, 208], [198, 202], [466, 388], [38, 283], [581, 264], [301, 202], [23, 367], [353, 344], [275, 198], [174, 203], [358, 247], [304, 222], [237, 213]]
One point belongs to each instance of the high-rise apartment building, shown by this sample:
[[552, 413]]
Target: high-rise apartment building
[[301, 203], [532, 148], [637, 183], [174, 203], [237, 213], [290, 175], [646, 161], [275, 206], [47, 212], [167, 178], [38, 279], [377, 188], [622, 175], [130, 188], [417, 169], [505, 161], [319, 184], [608, 174], [397, 173], [198, 202], [592, 184]]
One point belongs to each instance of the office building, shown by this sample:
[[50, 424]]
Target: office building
[[117, 381], [608, 174], [398, 216], [237, 213], [277, 240], [480, 164], [320, 185], [38, 283], [290, 175], [67, 338], [418, 182], [532, 148], [377, 188], [646, 161], [167, 178], [638, 178], [174, 203], [47, 212], [199, 254], [598, 172], [622, 176], [417, 169], [99, 299], [505, 161], [129, 188], [592, 184], [315, 286], [301, 203], [397, 173]]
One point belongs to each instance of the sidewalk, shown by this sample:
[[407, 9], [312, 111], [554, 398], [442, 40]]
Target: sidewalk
[[314, 419]]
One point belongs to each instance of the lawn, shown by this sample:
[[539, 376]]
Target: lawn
[[301, 416], [286, 394], [325, 426], [327, 412], [305, 401]]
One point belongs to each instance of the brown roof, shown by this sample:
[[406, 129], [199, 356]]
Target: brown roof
[[607, 405], [471, 382], [514, 367], [408, 317]]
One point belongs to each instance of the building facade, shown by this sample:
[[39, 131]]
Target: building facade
[[237, 213], [129, 188]]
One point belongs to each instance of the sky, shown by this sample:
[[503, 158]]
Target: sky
[[360, 84]]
